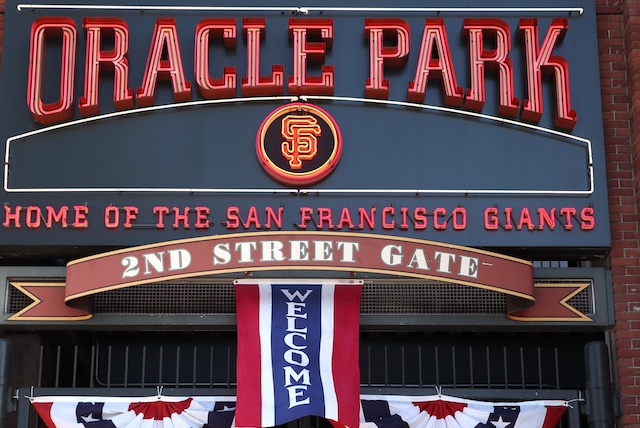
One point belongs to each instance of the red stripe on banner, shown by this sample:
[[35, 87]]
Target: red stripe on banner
[[440, 409], [160, 409], [554, 413], [346, 361], [44, 410], [249, 403]]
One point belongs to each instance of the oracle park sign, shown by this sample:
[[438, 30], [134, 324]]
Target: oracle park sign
[[133, 123]]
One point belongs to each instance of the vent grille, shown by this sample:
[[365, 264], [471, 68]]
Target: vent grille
[[214, 296], [423, 298], [184, 297]]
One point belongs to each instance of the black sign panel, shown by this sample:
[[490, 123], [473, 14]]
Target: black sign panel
[[172, 157]]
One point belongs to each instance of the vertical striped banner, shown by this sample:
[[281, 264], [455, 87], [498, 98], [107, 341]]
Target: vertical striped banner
[[297, 351]]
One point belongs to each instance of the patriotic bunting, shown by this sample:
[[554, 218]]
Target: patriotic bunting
[[436, 411], [441, 411], [136, 412]]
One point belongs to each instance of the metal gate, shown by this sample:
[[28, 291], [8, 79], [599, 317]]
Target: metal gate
[[489, 366], [481, 360]]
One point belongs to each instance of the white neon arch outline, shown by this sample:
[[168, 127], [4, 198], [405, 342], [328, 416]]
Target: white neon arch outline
[[304, 10], [17, 138]]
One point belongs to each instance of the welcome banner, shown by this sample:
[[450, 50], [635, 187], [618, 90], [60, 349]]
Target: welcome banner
[[297, 351]]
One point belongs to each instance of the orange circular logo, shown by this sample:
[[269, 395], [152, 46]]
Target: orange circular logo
[[299, 144]]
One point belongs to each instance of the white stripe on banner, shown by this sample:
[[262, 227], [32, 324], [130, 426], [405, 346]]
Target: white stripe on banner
[[268, 394], [326, 351]]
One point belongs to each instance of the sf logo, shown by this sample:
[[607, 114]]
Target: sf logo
[[301, 134], [298, 144]]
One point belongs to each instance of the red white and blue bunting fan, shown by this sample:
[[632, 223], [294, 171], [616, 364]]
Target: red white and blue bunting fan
[[437, 411]]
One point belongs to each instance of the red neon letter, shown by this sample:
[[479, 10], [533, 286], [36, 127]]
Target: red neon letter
[[41, 30], [9, 216], [459, 217], [508, 225], [568, 212], [59, 217], [497, 59], [420, 218], [548, 217], [81, 221], [33, 217], [388, 211], [306, 214], [110, 212], [220, 29], [115, 59], [437, 213], [345, 219], [404, 211], [252, 217], [525, 218], [131, 213], [180, 217], [304, 51], [160, 212], [233, 218], [441, 65], [367, 218], [202, 218], [254, 84], [324, 214], [491, 218], [376, 30], [277, 218], [588, 221], [165, 36], [539, 60]]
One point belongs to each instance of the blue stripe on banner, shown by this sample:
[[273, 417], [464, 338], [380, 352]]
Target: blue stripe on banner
[[222, 415], [501, 417], [90, 415], [377, 411], [295, 347]]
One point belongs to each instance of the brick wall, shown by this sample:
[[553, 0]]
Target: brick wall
[[619, 50]]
